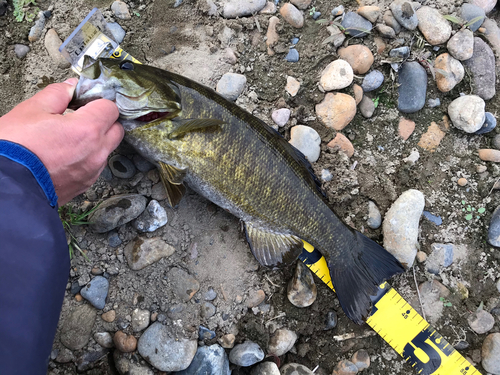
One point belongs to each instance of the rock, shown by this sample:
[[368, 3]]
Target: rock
[[125, 366], [326, 175], [355, 25], [361, 359], [164, 350], [96, 292], [421, 256], [236, 8], [337, 11], [345, 367], [430, 293], [77, 327], [374, 217], [400, 52], [406, 128], [292, 15], [343, 143], [227, 341], [435, 28], [143, 252], [272, 35], [440, 257], [65, 356], [366, 107], [117, 211], [230, 56], [467, 113], [246, 354], [113, 239], [142, 164], [337, 36], [292, 86], [265, 368], [492, 34], [104, 339], [490, 123], [21, 50], [432, 103], [400, 226], [487, 5], [331, 320], [413, 87], [390, 21], [302, 291], [482, 68], [468, 12], [270, 8], [210, 295], [281, 116], [301, 4], [358, 93], [307, 141], [494, 228], [282, 341], [371, 13], [255, 298], [461, 45], [481, 321], [433, 218], [207, 310], [295, 369], [3, 7], [109, 316], [431, 139], [153, 217], [140, 319], [205, 334], [359, 57], [120, 10], [336, 110], [117, 31], [405, 14], [125, 343], [52, 44], [292, 55], [386, 31], [491, 353], [158, 192], [337, 75], [121, 166], [449, 72], [489, 155], [231, 85], [183, 284], [208, 360], [37, 29]]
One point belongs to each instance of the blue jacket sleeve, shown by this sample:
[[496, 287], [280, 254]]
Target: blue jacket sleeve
[[34, 262]]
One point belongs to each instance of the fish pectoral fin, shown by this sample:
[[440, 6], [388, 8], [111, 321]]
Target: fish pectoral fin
[[272, 248], [172, 178], [189, 125]]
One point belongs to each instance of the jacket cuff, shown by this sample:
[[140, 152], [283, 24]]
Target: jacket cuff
[[25, 157]]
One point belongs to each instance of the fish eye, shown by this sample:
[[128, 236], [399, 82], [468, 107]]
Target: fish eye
[[127, 65]]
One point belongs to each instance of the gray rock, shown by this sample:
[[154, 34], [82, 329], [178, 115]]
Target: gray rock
[[400, 226], [461, 345], [163, 350], [355, 25], [107, 174], [413, 87], [65, 356], [494, 229], [295, 369], [331, 320], [21, 50], [361, 359], [265, 368], [117, 31], [37, 29], [158, 192], [292, 55], [366, 107], [117, 211], [77, 327], [401, 52], [205, 334], [126, 367], [461, 45], [86, 360], [390, 21], [374, 217], [143, 252], [153, 217], [96, 292], [385, 31], [281, 116], [231, 85], [490, 123], [140, 319], [440, 257], [326, 175], [435, 28], [345, 367], [302, 291], [104, 339], [3, 7], [467, 113], [337, 11], [113, 239], [121, 166], [405, 14], [210, 295], [496, 143], [307, 141], [207, 310], [491, 353], [208, 360], [482, 68], [468, 12], [282, 341], [120, 10], [236, 8], [481, 321], [246, 354], [487, 5], [492, 35], [142, 164], [432, 103], [183, 284], [372, 81]]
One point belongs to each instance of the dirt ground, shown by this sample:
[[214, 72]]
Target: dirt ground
[[209, 242]]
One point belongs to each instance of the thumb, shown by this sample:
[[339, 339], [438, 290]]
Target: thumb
[[54, 98]]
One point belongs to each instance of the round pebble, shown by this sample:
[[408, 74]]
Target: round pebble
[[104, 339], [231, 85], [421, 256], [361, 359], [461, 45], [282, 341], [265, 368], [246, 354], [358, 93], [120, 10], [374, 217], [205, 334], [489, 155], [255, 298], [482, 68], [109, 316], [292, 15], [468, 12], [37, 29], [302, 291], [343, 143], [21, 50], [467, 113], [358, 56], [210, 295], [435, 28], [400, 52], [405, 14], [345, 367], [140, 319], [490, 353], [462, 181], [366, 107], [385, 31], [432, 103], [481, 321], [412, 87], [207, 310], [121, 166], [208, 360], [449, 72], [281, 116], [152, 218], [292, 55], [113, 239], [331, 320], [52, 43], [337, 75], [235, 8], [494, 228], [338, 10], [143, 252], [227, 341], [490, 123], [307, 141], [355, 25], [125, 343], [295, 369], [336, 110], [96, 291], [116, 211]]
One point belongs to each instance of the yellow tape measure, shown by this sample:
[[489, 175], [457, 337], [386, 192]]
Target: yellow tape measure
[[401, 327]]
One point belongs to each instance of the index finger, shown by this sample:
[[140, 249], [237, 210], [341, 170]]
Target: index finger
[[103, 113]]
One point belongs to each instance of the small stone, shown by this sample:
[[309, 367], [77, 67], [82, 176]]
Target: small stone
[[492, 33], [406, 128], [487, 5], [449, 72], [405, 14], [117, 211], [400, 226], [292, 15], [272, 35], [52, 44], [337, 36], [400, 52], [307, 141], [386, 31], [227, 341], [113, 239], [109, 316], [355, 25], [374, 217], [361, 359], [142, 164], [265, 368], [205, 334], [302, 291], [338, 11], [413, 157], [467, 113], [435, 28], [326, 175], [120, 10], [490, 123], [489, 155], [421, 257], [125, 343], [210, 295], [183, 284], [440, 257], [104, 339], [231, 85], [208, 360], [433, 218], [330, 320], [316, 15], [295, 369], [117, 31], [3, 7], [153, 217], [358, 93], [431, 293], [255, 298], [432, 103], [143, 252], [86, 361], [236, 8], [246, 354], [281, 116], [413, 87], [490, 353], [336, 110], [96, 292], [371, 13], [390, 21], [482, 68], [494, 229], [301, 4], [270, 8], [343, 143], [65, 356], [37, 29], [431, 139], [140, 320], [158, 192], [345, 367], [481, 168], [337, 75], [372, 81], [207, 310], [481, 321], [462, 181], [121, 166], [282, 341], [469, 12], [292, 86], [366, 107], [127, 366], [21, 50], [292, 55], [359, 57], [77, 327]]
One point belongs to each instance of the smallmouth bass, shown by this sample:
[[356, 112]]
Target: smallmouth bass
[[196, 137]]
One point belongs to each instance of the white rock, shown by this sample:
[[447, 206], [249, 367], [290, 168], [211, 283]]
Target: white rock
[[282, 341], [231, 85], [120, 10], [337, 75], [237, 8], [307, 141], [467, 113], [281, 116]]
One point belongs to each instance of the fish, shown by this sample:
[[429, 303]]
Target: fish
[[196, 137]]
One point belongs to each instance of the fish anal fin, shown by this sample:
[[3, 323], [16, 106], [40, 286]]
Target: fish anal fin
[[272, 248], [172, 178], [190, 125]]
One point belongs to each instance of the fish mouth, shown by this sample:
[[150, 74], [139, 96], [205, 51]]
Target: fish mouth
[[152, 116]]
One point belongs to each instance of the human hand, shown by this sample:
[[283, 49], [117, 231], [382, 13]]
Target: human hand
[[73, 147]]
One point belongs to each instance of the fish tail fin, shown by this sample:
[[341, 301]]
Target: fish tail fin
[[357, 273]]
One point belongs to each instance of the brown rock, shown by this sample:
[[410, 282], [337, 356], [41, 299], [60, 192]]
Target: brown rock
[[227, 341], [272, 35], [292, 15], [380, 44], [109, 316], [462, 181], [52, 44], [125, 343], [487, 154], [449, 72], [361, 359], [292, 86], [406, 128], [358, 93], [343, 143], [385, 31], [78, 297], [301, 4], [431, 139], [255, 298], [371, 13], [336, 110], [270, 8], [358, 56], [421, 256]]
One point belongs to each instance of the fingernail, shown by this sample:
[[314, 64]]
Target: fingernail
[[71, 81]]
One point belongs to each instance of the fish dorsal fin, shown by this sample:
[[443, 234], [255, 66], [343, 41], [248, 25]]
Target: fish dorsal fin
[[192, 124], [172, 178], [272, 248]]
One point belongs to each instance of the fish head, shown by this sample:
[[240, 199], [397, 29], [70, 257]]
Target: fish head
[[139, 95]]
